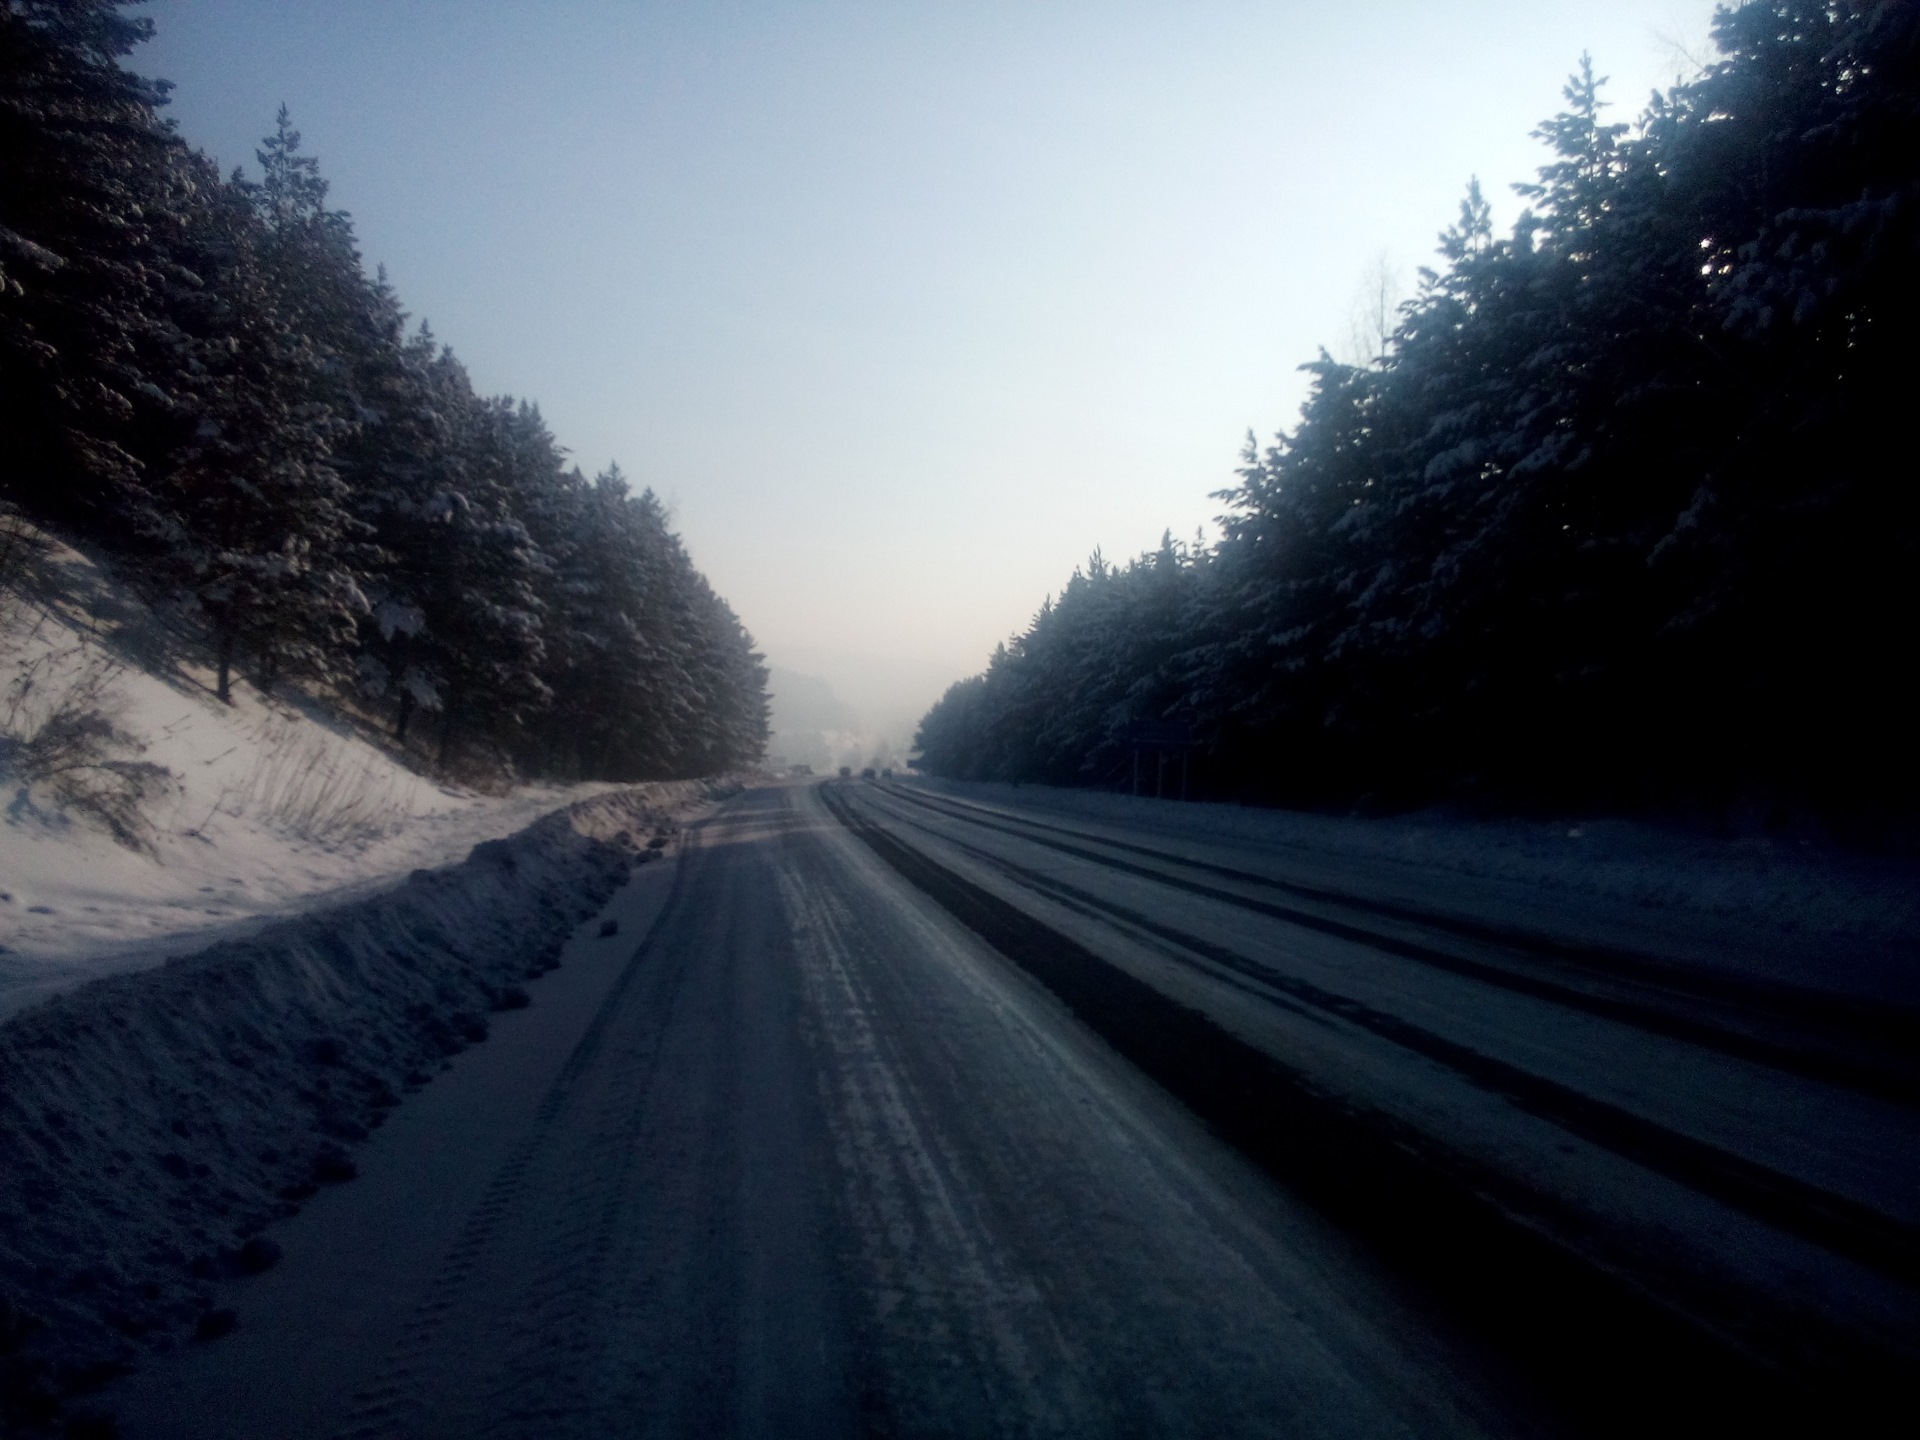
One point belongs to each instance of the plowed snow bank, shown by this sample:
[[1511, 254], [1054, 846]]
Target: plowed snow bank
[[151, 1123]]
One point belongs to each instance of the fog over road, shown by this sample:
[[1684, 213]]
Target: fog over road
[[910, 1115]]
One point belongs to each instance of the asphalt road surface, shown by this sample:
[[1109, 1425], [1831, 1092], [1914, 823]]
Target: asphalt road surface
[[886, 1113]]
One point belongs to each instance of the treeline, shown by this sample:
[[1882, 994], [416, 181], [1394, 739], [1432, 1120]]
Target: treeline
[[197, 372], [1623, 516]]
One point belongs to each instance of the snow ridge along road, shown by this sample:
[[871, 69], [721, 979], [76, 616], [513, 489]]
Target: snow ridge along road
[[1734, 1162], [152, 1123], [813, 1159]]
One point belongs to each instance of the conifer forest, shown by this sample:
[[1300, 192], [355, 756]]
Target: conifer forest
[[198, 376], [1623, 513]]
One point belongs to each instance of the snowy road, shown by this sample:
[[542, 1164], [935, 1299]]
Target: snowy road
[[912, 1116]]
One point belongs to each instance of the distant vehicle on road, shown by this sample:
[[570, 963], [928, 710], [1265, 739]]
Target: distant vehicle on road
[[887, 774], [846, 772], [799, 769], [867, 774]]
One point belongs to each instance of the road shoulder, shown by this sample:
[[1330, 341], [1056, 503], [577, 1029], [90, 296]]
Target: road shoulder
[[360, 1257]]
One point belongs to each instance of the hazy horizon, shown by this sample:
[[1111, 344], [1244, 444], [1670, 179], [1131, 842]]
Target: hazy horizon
[[902, 313]]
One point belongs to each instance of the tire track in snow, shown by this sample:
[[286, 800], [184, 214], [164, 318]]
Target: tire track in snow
[[1869, 1050], [1438, 1211], [400, 1397]]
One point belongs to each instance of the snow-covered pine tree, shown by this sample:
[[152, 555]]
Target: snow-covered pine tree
[[253, 520], [93, 194], [406, 464], [483, 631]]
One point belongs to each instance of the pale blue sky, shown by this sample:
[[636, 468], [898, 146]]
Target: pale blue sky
[[903, 307]]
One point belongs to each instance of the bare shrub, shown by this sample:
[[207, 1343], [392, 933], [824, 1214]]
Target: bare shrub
[[22, 550], [315, 787], [58, 730]]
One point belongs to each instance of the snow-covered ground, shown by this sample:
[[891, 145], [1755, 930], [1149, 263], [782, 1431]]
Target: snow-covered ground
[[257, 810]]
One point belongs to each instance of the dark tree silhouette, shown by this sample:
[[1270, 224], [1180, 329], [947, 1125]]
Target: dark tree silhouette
[[198, 374], [1616, 519]]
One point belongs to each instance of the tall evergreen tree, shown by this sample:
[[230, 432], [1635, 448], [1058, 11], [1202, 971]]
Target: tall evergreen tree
[[254, 518], [92, 196], [201, 371], [1611, 519]]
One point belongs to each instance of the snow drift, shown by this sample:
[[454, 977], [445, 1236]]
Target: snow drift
[[152, 1123]]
